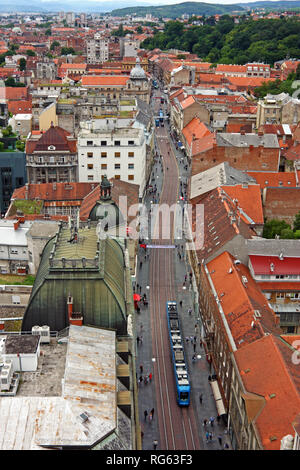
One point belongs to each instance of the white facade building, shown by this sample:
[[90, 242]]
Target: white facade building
[[113, 151], [13, 246], [97, 49]]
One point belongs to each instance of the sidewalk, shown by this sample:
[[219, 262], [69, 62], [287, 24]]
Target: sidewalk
[[199, 370]]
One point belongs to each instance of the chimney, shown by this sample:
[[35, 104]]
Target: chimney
[[16, 224], [243, 132], [1, 325], [75, 318], [70, 306], [26, 191]]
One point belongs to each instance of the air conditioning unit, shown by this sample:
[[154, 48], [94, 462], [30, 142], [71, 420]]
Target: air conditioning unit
[[45, 334], [35, 330], [6, 375]]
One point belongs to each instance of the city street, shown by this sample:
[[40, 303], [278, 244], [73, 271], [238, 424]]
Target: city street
[[162, 277]]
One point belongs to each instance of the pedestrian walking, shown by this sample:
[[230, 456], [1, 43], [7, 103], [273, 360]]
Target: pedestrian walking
[[141, 339], [151, 415], [226, 446], [205, 422], [210, 436], [194, 346], [200, 398], [146, 379], [218, 419], [207, 436], [145, 414], [137, 340], [211, 420], [220, 440], [141, 380], [190, 311], [192, 339], [187, 339], [150, 376], [180, 303], [155, 444], [141, 368], [194, 358]]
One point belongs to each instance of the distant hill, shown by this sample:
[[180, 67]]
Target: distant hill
[[175, 11], [273, 5]]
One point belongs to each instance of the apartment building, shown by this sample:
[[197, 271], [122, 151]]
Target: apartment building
[[51, 156], [97, 49], [275, 266], [119, 153]]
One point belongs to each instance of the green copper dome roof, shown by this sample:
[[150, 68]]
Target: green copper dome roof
[[93, 272]]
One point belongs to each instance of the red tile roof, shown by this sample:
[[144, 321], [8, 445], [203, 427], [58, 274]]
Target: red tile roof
[[55, 191], [240, 297], [293, 153], [273, 265], [248, 198], [218, 229], [19, 106], [119, 188], [14, 93], [279, 286], [113, 80], [274, 179], [266, 373], [56, 136], [195, 129], [231, 68]]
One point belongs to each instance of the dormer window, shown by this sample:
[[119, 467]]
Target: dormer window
[[51, 147]]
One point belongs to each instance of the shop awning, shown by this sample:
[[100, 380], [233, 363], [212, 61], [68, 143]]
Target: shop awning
[[218, 398]]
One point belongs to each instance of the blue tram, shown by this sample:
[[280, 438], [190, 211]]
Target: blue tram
[[183, 388]]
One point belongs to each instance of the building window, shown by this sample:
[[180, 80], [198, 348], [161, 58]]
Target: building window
[[130, 142], [90, 177], [103, 143], [130, 154], [117, 177], [90, 154], [130, 166], [130, 177], [103, 154], [117, 166], [89, 143], [103, 166], [117, 154], [90, 166], [117, 143]]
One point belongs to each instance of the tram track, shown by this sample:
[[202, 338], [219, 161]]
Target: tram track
[[177, 427]]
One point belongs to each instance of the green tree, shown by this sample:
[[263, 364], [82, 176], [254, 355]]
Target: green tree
[[67, 50], [287, 233], [296, 223], [48, 32], [54, 45], [30, 53], [22, 64], [274, 227], [10, 81]]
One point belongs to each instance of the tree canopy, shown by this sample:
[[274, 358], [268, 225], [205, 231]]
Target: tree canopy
[[264, 40]]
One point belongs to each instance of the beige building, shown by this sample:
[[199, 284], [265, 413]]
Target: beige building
[[22, 124], [48, 117], [278, 109]]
